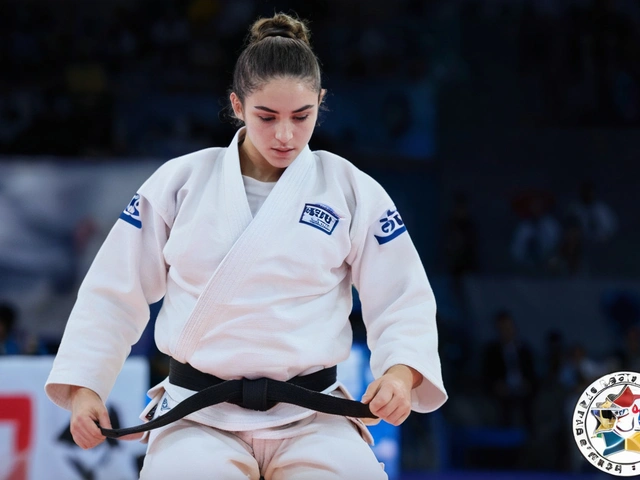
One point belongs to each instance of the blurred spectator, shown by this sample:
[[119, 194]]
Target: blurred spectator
[[553, 357], [508, 371], [8, 342], [597, 220], [548, 447], [630, 354], [622, 309], [570, 253], [461, 240], [537, 236], [580, 369], [15, 340], [577, 373]]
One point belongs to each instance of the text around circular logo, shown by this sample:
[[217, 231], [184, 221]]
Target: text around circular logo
[[606, 424]]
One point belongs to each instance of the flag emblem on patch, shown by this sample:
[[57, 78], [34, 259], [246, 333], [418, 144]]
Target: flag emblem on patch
[[319, 216], [389, 227], [131, 214]]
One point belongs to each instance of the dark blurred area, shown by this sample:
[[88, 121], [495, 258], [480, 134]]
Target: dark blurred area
[[507, 132]]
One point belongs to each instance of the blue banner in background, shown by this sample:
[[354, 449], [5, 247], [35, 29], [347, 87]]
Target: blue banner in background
[[355, 374]]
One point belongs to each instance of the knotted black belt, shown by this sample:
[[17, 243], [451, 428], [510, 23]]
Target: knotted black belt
[[260, 394]]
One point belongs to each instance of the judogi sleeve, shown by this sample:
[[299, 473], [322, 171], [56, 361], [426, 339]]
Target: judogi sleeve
[[398, 305], [112, 309]]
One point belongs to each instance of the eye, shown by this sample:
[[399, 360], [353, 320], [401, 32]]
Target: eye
[[302, 118], [266, 119]]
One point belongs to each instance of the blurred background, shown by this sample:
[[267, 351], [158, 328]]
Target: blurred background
[[507, 132]]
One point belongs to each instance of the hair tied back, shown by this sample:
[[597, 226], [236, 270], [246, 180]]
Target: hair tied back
[[280, 25]]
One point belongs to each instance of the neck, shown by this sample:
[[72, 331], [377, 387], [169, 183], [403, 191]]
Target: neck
[[253, 165], [249, 168]]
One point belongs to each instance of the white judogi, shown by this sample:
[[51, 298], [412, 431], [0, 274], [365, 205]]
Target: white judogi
[[252, 297]]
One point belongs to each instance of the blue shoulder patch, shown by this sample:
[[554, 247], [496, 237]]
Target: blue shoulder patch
[[389, 227], [131, 214]]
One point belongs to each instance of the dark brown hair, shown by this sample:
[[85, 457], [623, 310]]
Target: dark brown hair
[[276, 47]]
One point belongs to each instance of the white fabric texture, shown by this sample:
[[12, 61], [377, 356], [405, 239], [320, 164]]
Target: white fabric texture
[[257, 192], [321, 447], [244, 296]]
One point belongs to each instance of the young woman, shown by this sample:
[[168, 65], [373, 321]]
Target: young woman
[[254, 249]]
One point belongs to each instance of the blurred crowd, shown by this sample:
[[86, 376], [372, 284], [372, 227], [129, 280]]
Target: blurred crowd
[[547, 239], [586, 55], [577, 62], [146, 77], [530, 395], [149, 78]]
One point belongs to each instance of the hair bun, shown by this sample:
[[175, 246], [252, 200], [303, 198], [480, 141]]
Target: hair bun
[[280, 25]]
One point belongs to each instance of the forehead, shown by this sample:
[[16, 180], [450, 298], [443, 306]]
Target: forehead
[[284, 94]]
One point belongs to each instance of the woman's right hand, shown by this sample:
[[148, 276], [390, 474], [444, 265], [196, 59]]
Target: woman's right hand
[[86, 409]]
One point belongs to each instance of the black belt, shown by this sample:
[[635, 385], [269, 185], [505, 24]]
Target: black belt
[[260, 394]]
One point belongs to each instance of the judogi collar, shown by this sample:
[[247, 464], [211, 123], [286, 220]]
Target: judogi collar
[[244, 233], [287, 186]]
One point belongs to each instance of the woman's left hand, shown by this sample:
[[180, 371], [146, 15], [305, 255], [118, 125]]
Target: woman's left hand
[[389, 397]]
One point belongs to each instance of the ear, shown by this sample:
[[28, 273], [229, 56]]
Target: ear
[[323, 92], [236, 104]]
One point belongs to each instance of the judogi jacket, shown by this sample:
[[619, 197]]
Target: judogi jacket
[[248, 297]]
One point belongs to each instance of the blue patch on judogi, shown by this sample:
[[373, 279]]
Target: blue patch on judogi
[[131, 214], [390, 227], [319, 216]]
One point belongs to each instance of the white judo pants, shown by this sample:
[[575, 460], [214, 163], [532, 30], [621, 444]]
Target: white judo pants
[[325, 447]]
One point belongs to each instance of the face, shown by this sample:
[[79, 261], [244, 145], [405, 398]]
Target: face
[[279, 120]]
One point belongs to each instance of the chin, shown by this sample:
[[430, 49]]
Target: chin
[[281, 165], [282, 161]]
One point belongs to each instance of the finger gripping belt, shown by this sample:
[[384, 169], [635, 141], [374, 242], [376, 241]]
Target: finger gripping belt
[[260, 394]]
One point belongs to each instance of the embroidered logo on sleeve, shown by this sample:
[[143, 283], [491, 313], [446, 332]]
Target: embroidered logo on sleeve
[[131, 214], [320, 216], [389, 227]]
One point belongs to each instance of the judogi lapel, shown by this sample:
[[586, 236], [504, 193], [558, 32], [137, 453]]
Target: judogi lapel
[[251, 234]]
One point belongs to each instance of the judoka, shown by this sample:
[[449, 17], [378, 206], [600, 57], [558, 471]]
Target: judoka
[[255, 248]]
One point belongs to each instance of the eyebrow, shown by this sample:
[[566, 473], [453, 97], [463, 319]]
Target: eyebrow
[[301, 109]]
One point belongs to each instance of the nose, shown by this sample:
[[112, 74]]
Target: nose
[[284, 132]]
